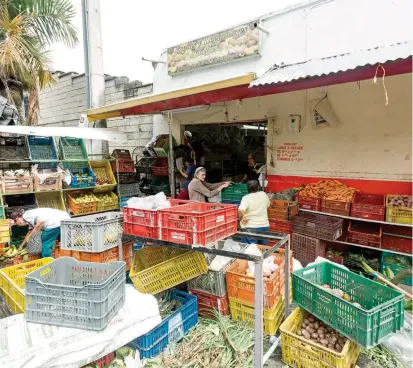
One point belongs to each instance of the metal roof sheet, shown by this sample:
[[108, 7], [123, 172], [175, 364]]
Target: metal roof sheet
[[334, 64]]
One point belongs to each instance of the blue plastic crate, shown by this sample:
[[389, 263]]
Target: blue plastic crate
[[237, 203], [171, 329], [86, 182], [43, 148]]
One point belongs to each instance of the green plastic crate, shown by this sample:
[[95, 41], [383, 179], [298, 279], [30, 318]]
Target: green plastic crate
[[73, 151], [396, 268], [235, 192], [382, 311]]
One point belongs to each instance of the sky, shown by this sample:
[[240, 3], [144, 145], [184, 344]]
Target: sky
[[132, 29]]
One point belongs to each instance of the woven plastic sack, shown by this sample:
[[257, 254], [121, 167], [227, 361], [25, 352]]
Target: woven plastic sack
[[34, 246]]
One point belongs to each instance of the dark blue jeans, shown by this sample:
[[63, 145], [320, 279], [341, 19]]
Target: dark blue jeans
[[253, 240]]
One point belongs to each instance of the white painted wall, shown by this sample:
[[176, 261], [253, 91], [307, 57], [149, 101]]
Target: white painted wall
[[319, 29], [373, 141]]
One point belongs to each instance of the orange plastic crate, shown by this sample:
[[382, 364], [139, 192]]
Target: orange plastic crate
[[80, 208], [309, 203], [282, 210]]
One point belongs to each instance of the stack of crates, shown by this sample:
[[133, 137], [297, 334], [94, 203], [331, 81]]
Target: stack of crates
[[123, 162], [241, 292]]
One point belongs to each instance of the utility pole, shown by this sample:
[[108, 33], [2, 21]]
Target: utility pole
[[94, 75]]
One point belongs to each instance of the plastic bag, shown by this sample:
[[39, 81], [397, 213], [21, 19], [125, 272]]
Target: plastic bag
[[268, 264], [220, 262], [401, 343], [154, 203]]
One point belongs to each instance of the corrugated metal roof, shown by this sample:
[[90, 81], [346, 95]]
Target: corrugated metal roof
[[334, 64]]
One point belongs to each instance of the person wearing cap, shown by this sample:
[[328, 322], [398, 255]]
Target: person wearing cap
[[44, 220], [200, 190], [186, 145], [252, 212]]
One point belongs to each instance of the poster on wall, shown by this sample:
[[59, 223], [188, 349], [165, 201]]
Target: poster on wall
[[232, 44]]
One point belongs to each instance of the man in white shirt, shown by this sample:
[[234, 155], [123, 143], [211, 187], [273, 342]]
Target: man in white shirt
[[44, 220], [252, 212]]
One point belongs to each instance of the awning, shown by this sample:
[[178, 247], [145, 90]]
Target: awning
[[225, 90], [280, 74]]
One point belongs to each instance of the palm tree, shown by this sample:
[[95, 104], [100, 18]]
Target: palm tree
[[27, 28]]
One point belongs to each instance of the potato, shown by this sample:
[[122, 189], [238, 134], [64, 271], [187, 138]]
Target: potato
[[338, 347], [321, 336], [320, 330], [306, 321], [314, 335], [324, 342], [303, 325], [316, 325], [341, 341], [310, 330], [330, 346], [306, 334]]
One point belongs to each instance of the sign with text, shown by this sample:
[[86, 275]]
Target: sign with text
[[222, 47], [289, 151]]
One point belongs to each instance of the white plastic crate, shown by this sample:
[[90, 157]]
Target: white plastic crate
[[70, 293], [92, 233]]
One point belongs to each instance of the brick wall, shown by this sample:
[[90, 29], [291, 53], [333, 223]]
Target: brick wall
[[64, 102]]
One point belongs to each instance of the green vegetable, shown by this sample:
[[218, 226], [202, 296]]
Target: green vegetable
[[383, 357], [388, 273], [124, 351]]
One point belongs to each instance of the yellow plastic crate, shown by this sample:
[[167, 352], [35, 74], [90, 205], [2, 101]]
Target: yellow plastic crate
[[245, 312], [107, 205], [155, 269], [4, 231], [12, 282], [398, 215], [103, 171], [50, 200], [301, 353]]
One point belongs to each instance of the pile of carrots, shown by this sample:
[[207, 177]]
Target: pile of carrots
[[332, 190]]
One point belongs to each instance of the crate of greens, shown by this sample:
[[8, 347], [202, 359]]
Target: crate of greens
[[70, 293], [392, 264], [179, 312], [363, 310], [399, 209], [306, 339], [43, 148]]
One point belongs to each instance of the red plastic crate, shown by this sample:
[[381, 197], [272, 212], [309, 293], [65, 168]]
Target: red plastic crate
[[103, 362], [397, 244], [282, 227], [336, 207], [190, 237], [124, 166], [146, 231], [368, 206], [160, 166], [309, 203], [198, 216], [208, 302], [364, 234], [307, 249]]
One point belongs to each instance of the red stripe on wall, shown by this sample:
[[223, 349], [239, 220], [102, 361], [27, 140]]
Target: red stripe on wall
[[277, 183]]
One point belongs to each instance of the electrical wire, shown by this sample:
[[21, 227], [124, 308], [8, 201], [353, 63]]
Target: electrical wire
[[382, 79]]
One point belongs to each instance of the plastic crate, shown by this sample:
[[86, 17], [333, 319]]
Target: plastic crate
[[160, 166], [397, 244], [298, 352], [213, 282], [307, 249], [368, 206], [129, 190], [122, 166], [104, 361], [128, 178], [399, 215], [171, 329], [75, 294], [208, 303], [197, 216], [17, 184], [14, 149], [282, 210], [242, 311], [242, 287], [234, 192], [317, 226], [4, 231], [43, 148], [73, 152], [281, 227], [107, 201], [381, 312], [104, 174], [161, 146], [337, 207], [108, 256], [144, 165], [51, 183], [82, 178], [160, 184], [309, 203], [150, 232], [235, 203], [80, 208], [50, 200], [124, 201], [396, 268], [155, 269], [12, 282], [364, 233], [93, 233], [121, 154], [2, 214]]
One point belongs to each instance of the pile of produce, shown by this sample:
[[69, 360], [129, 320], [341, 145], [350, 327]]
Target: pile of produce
[[398, 260], [20, 172], [399, 201], [356, 259], [330, 190], [104, 181], [124, 357], [383, 357], [341, 294], [316, 331], [103, 197], [83, 197], [13, 252], [213, 343], [167, 305]]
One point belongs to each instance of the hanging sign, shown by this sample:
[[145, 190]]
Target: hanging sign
[[222, 47]]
